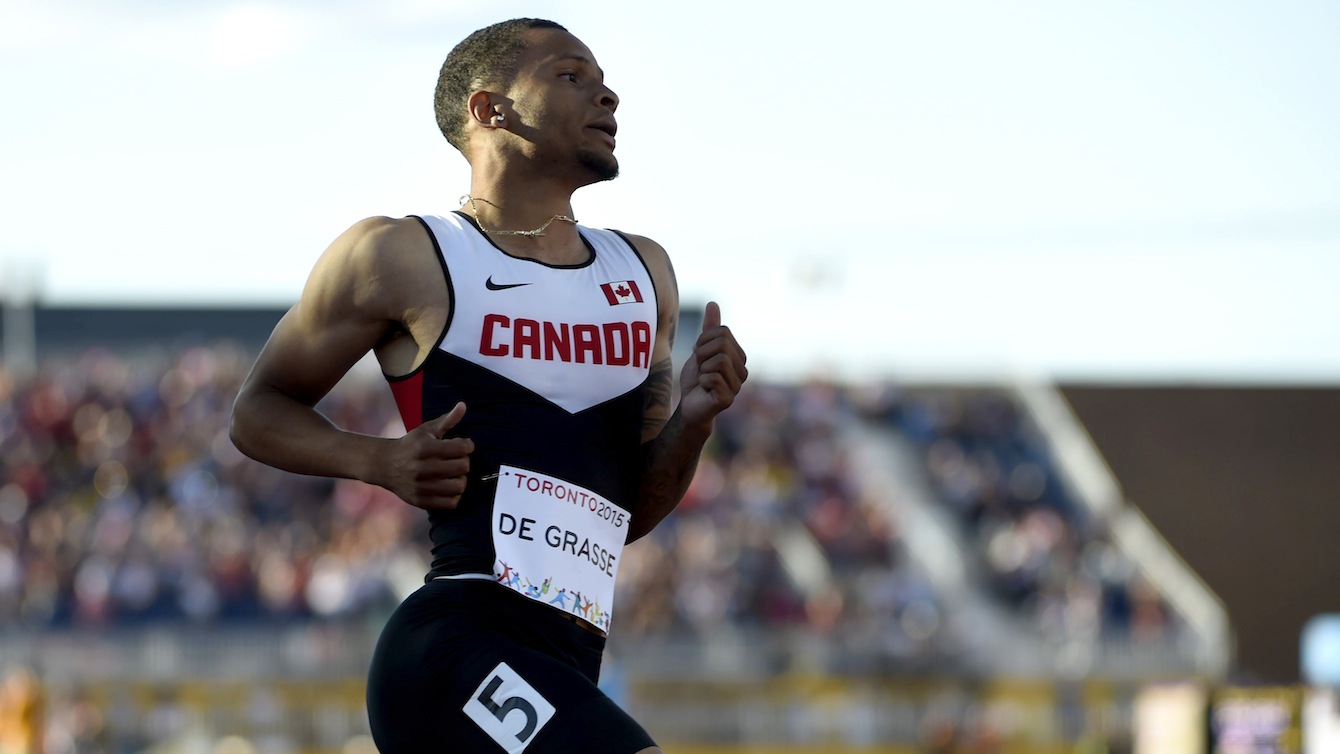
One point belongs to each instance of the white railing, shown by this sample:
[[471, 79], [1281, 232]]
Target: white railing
[[1094, 485], [324, 651]]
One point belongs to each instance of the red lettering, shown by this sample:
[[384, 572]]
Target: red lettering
[[587, 339], [556, 342], [547, 488], [641, 344], [486, 339], [533, 484], [526, 336], [616, 344]]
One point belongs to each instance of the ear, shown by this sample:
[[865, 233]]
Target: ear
[[485, 109]]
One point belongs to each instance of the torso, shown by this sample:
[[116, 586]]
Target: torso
[[550, 361]]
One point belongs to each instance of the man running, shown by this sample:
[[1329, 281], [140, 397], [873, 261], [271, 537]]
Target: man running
[[529, 357]]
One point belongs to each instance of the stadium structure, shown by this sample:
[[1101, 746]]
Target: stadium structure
[[882, 567]]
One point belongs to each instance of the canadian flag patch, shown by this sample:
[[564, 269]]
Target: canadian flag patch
[[621, 292]]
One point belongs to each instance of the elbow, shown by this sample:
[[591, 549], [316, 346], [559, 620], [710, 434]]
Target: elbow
[[237, 434], [240, 428], [636, 531]]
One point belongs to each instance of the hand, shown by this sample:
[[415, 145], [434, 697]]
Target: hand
[[426, 468], [713, 373]]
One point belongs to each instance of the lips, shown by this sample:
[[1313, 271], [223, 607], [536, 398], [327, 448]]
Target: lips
[[607, 128]]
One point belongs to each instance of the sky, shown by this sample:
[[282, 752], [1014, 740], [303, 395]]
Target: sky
[[1101, 191]]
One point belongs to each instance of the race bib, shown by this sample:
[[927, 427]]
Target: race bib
[[558, 543], [503, 692]]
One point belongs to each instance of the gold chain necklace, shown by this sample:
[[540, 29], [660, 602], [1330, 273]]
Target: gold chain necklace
[[527, 233]]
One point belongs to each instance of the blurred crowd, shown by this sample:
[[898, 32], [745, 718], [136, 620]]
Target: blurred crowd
[[1043, 553], [123, 501], [777, 530]]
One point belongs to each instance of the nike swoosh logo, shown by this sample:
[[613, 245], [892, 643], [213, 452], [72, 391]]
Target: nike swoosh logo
[[501, 286]]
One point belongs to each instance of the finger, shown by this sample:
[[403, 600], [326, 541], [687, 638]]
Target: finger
[[443, 493], [718, 391], [440, 503], [735, 347], [722, 370], [443, 468], [722, 341], [441, 425], [448, 448], [711, 316], [440, 488]]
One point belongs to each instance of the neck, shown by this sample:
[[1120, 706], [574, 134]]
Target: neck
[[491, 217], [527, 226], [519, 199]]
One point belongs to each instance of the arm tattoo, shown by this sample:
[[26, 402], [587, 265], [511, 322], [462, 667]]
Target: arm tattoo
[[656, 395]]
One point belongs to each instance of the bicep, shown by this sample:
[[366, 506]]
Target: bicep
[[308, 353]]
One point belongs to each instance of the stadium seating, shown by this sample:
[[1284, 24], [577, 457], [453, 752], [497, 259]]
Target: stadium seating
[[124, 507]]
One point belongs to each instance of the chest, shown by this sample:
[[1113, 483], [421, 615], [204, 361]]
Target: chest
[[576, 336]]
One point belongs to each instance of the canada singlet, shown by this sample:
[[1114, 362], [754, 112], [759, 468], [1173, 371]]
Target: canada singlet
[[551, 362]]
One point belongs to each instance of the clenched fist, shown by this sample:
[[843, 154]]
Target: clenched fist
[[426, 468], [713, 373]]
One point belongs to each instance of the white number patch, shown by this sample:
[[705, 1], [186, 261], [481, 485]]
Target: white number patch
[[507, 708]]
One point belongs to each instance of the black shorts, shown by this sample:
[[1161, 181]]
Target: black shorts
[[471, 666]]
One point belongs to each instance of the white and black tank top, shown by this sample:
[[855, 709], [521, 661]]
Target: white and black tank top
[[551, 362]]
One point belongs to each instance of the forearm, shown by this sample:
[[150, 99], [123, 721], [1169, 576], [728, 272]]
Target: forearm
[[670, 462], [279, 431]]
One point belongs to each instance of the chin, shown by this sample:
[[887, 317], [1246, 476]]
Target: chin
[[603, 165]]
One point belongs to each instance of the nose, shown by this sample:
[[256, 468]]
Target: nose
[[607, 98]]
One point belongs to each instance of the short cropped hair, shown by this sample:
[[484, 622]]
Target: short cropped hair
[[487, 57]]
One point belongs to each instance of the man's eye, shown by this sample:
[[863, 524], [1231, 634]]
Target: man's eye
[[569, 76]]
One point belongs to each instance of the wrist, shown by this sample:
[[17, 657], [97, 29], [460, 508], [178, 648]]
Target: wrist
[[371, 461], [695, 429]]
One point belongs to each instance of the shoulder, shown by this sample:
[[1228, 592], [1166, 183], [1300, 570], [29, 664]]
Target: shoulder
[[648, 249], [378, 248], [371, 238], [662, 272], [372, 262], [655, 257]]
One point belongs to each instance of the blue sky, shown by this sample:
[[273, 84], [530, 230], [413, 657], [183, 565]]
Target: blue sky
[[1104, 190]]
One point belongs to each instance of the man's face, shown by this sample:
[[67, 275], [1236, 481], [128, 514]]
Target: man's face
[[566, 111]]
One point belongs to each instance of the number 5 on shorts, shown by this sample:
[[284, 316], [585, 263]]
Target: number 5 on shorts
[[507, 708]]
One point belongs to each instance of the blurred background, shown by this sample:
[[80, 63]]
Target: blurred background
[[1039, 450]]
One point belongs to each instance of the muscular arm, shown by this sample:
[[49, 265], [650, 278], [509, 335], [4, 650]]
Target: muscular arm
[[354, 301], [710, 380]]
